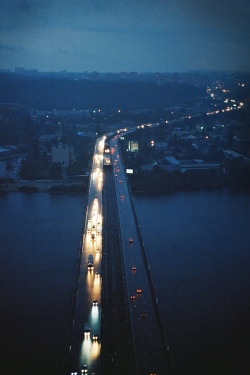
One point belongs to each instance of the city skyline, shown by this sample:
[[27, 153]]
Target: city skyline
[[111, 36]]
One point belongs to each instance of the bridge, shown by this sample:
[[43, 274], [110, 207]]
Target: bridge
[[115, 325]]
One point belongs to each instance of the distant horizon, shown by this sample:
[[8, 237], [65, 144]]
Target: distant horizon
[[22, 69]]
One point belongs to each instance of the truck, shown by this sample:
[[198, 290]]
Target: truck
[[89, 226], [90, 262]]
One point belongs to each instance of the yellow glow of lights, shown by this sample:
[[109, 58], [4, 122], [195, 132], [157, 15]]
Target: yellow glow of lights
[[95, 350]]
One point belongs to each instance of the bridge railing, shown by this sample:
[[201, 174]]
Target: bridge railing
[[67, 353], [163, 335]]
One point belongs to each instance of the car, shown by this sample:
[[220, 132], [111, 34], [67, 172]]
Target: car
[[87, 330], [95, 337], [97, 274], [74, 372], [116, 175], [95, 303], [98, 250], [143, 316], [132, 297], [122, 197], [131, 240], [120, 182], [138, 291], [134, 269], [84, 369]]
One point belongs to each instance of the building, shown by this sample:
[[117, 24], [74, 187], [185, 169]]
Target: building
[[3, 169], [177, 131], [5, 155], [63, 154], [133, 146]]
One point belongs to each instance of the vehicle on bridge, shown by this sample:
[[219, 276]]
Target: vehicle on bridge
[[87, 330], [89, 226], [90, 262], [131, 240], [84, 369], [107, 160]]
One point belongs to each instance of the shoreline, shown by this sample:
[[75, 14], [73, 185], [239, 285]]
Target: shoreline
[[56, 186]]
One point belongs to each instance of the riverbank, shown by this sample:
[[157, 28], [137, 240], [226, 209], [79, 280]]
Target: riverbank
[[63, 187]]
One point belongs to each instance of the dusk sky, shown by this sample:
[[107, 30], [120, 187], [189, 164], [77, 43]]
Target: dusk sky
[[125, 35]]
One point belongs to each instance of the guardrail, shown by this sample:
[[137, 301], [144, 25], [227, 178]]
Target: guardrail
[[163, 335], [66, 360]]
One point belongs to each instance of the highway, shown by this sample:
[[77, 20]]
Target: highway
[[85, 346], [150, 351]]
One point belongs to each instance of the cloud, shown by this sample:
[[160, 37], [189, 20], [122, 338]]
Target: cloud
[[145, 31]]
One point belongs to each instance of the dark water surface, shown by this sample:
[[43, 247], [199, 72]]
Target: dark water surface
[[39, 238], [198, 248]]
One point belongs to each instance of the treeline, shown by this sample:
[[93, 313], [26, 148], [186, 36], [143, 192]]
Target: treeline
[[61, 93], [161, 181]]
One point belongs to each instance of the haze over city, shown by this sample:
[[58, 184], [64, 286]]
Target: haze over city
[[115, 36]]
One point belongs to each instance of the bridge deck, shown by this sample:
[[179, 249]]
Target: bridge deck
[[150, 348]]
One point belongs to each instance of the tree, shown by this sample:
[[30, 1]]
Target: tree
[[55, 171]]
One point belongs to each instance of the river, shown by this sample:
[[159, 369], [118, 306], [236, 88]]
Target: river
[[38, 253], [197, 244]]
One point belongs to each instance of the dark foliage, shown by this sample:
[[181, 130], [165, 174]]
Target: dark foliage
[[61, 93]]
